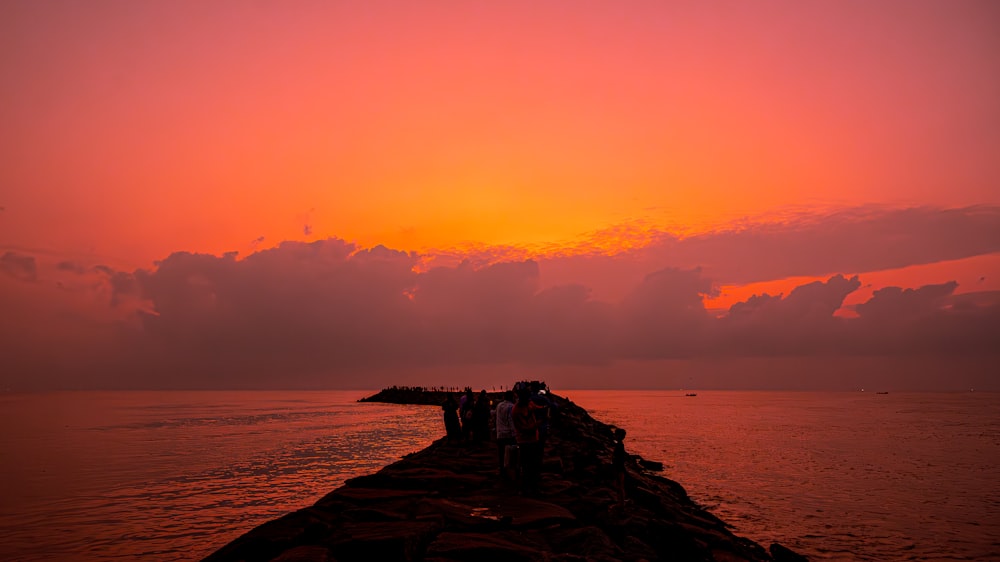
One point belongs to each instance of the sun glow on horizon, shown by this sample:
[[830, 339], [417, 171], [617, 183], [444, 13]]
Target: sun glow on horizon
[[424, 128], [580, 178]]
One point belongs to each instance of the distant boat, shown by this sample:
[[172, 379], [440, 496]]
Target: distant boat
[[881, 393], [691, 394]]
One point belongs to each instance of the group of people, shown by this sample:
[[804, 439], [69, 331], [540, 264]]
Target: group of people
[[521, 422], [521, 425], [468, 419]]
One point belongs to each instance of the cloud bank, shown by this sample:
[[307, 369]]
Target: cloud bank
[[330, 314], [805, 244]]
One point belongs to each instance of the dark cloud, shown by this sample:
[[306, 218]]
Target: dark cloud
[[300, 307], [929, 320], [19, 266], [801, 323], [897, 305], [329, 313], [71, 266], [664, 316], [475, 314], [855, 240]]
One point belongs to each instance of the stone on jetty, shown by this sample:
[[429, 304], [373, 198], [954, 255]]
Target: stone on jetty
[[447, 502]]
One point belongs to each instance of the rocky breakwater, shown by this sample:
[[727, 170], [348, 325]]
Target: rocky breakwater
[[447, 502]]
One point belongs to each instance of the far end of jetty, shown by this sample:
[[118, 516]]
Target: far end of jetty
[[449, 503]]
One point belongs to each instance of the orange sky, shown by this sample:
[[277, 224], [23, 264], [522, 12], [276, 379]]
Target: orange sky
[[135, 130]]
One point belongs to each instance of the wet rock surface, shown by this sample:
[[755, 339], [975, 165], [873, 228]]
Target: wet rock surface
[[448, 502]]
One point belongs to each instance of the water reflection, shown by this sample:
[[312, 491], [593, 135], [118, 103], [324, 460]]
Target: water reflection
[[174, 475]]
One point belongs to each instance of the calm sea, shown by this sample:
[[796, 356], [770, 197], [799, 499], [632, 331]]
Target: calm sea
[[839, 476], [174, 475]]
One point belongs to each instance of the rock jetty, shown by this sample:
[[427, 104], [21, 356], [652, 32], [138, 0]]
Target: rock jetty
[[447, 502]]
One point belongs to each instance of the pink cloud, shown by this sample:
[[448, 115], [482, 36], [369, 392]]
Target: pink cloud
[[326, 313], [852, 240]]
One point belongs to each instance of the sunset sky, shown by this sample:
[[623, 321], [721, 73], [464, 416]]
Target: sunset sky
[[672, 157]]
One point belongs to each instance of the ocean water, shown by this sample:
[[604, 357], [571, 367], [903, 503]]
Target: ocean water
[[175, 475], [835, 476]]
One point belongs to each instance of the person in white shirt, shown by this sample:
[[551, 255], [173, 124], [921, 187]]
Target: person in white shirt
[[505, 432]]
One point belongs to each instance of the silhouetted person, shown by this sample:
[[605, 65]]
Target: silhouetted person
[[618, 466], [505, 431], [451, 426], [467, 405], [540, 398], [481, 417], [526, 434]]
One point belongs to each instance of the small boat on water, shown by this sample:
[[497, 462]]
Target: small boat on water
[[690, 394], [881, 393]]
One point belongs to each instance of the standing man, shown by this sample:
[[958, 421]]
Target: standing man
[[528, 447], [451, 425], [505, 430], [466, 407]]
